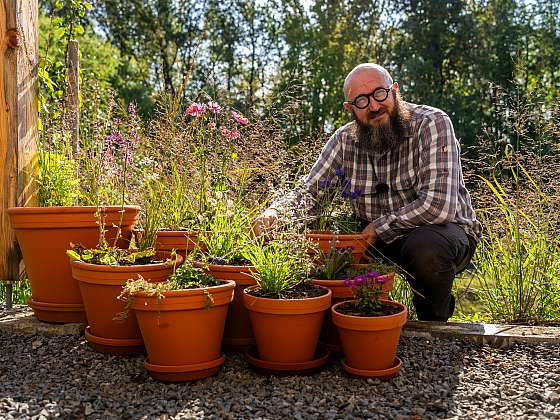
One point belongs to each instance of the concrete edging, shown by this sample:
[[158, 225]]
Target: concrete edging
[[21, 319], [495, 335]]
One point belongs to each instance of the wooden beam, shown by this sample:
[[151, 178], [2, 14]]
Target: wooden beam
[[19, 46]]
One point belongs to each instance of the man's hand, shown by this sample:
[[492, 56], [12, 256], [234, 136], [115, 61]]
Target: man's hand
[[372, 234], [265, 224]]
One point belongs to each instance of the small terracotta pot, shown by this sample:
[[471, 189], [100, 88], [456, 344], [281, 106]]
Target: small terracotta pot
[[44, 235], [182, 241], [286, 330], [370, 343], [183, 336], [358, 242], [340, 293], [100, 285], [238, 334]]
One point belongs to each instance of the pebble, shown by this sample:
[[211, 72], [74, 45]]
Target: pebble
[[61, 376]]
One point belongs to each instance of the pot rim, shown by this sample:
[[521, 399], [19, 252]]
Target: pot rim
[[384, 317], [81, 265], [66, 209], [227, 285]]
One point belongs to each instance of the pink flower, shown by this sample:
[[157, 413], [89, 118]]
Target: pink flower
[[195, 109], [239, 118], [230, 134], [211, 125], [214, 107]]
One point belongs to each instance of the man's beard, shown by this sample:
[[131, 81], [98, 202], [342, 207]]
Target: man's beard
[[382, 138]]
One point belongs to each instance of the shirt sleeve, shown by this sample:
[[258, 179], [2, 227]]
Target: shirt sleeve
[[438, 183]]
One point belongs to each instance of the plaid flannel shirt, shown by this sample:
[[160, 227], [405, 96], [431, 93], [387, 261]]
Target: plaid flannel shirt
[[424, 177]]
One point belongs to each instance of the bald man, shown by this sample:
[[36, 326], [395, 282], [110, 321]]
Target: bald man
[[415, 207]]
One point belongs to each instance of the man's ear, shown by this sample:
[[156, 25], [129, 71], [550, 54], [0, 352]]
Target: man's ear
[[396, 86], [347, 106]]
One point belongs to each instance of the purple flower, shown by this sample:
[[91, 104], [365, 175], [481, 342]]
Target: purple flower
[[324, 184], [347, 282], [372, 274], [339, 173], [358, 192], [360, 280]]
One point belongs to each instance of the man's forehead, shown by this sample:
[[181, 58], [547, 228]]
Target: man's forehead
[[365, 83]]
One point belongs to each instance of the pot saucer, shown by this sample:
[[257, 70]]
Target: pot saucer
[[116, 346], [182, 373], [58, 313], [382, 374], [267, 367]]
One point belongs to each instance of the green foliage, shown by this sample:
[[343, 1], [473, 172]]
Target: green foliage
[[280, 265], [57, 182], [21, 292], [517, 260], [227, 235], [189, 277], [110, 255], [335, 263]]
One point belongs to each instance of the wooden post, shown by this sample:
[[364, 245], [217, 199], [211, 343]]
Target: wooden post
[[18, 120], [73, 95]]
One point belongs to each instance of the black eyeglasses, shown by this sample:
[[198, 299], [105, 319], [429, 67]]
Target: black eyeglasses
[[379, 94]]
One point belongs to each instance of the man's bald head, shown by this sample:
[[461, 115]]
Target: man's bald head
[[361, 74]]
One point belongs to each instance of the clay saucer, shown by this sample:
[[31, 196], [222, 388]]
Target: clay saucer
[[382, 374], [182, 373], [267, 367], [116, 346], [58, 313]]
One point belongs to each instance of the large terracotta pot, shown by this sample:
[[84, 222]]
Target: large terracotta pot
[[238, 334], [182, 241], [286, 330], [370, 343], [44, 234], [100, 285], [183, 337], [340, 293], [358, 242]]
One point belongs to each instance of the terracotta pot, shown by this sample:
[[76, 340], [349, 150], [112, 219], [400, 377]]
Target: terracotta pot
[[358, 242], [340, 293], [182, 335], [44, 234], [100, 285], [370, 343], [182, 241], [286, 330], [238, 334]]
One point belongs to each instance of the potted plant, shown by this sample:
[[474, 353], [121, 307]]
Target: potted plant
[[333, 217], [369, 328], [334, 269], [202, 137], [181, 321], [67, 212], [101, 273], [223, 256], [285, 308]]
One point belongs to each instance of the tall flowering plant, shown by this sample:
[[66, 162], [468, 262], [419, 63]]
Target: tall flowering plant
[[333, 207], [367, 290], [200, 167]]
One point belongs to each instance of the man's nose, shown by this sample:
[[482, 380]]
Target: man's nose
[[373, 105]]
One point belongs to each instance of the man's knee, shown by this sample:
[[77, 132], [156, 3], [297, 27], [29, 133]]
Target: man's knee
[[426, 253]]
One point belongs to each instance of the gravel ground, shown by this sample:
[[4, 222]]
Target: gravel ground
[[42, 377]]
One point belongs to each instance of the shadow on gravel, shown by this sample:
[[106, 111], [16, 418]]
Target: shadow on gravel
[[53, 376]]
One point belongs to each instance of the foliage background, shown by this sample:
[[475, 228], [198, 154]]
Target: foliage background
[[457, 55]]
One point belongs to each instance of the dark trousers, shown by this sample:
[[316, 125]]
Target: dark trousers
[[431, 255]]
